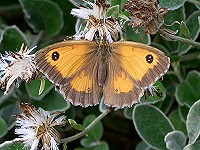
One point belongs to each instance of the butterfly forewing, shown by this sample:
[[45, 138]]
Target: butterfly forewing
[[62, 60], [143, 63], [72, 66]]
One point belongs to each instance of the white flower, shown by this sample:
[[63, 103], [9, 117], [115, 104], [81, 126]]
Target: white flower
[[37, 126], [16, 65], [98, 25], [98, 11]]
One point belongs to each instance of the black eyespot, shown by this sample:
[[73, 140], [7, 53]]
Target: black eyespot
[[149, 58], [55, 55], [116, 90], [88, 89]]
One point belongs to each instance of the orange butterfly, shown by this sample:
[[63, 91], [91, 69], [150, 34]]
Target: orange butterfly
[[83, 70]]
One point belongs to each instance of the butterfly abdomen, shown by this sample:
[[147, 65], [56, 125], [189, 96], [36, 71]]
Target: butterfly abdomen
[[102, 72], [102, 69]]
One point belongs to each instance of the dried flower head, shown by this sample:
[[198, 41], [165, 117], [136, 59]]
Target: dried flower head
[[146, 14], [17, 65], [37, 126], [151, 91], [98, 25]]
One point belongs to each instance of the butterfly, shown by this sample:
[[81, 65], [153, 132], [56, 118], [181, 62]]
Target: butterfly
[[85, 70]]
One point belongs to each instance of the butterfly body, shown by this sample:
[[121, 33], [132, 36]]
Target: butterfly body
[[83, 70]]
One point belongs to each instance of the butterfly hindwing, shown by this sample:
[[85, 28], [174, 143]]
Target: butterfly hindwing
[[119, 90], [83, 88]]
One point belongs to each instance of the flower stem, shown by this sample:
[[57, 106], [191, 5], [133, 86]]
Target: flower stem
[[194, 2], [189, 57], [87, 129], [181, 39]]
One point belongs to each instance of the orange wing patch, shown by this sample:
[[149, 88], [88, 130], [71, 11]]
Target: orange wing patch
[[122, 84], [70, 57], [72, 66], [119, 90], [82, 83], [83, 89], [143, 63]]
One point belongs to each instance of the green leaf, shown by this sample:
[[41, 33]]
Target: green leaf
[[190, 8], [97, 131], [6, 97], [9, 110], [11, 39], [192, 122], [42, 86], [166, 105], [80, 148], [43, 15], [4, 127], [98, 145], [157, 96], [128, 112], [170, 83], [152, 125], [169, 18], [94, 135], [175, 119], [69, 20], [10, 12], [88, 143], [198, 6], [175, 140], [171, 4], [118, 2], [10, 2], [160, 47], [11, 145], [76, 125], [123, 18], [140, 37], [188, 92], [35, 85], [194, 28], [102, 146], [102, 106], [113, 11], [53, 101], [195, 146], [80, 24], [77, 2], [185, 30], [183, 112], [191, 59], [142, 146]]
